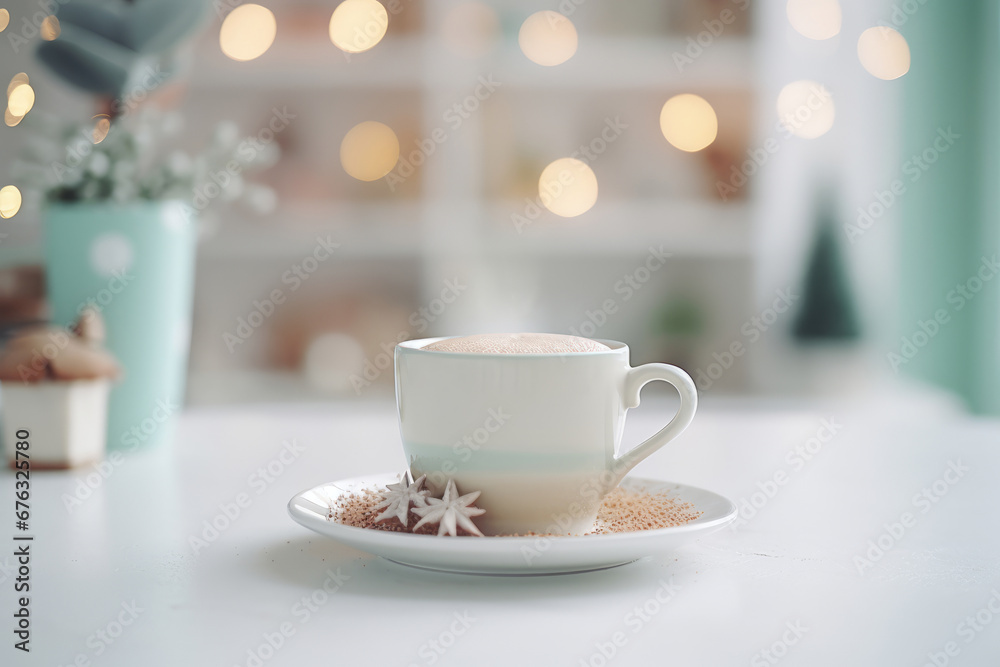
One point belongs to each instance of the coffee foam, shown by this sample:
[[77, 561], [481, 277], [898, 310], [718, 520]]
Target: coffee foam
[[519, 343]]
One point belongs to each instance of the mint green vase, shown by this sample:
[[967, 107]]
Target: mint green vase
[[135, 264]]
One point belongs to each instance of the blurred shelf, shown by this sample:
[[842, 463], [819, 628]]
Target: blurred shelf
[[315, 64], [452, 227], [276, 386], [617, 63], [364, 231], [683, 228], [416, 62], [379, 230]]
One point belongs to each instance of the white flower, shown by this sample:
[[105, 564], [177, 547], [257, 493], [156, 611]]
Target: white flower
[[397, 501], [451, 511], [172, 123], [123, 170], [267, 156], [179, 163], [233, 189], [261, 199], [71, 178], [99, 164], [227, 133]]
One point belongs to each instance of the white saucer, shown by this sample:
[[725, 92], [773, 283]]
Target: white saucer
[[510, 555]]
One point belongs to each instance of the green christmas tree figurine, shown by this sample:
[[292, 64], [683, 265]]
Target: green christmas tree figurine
[[828, 313]]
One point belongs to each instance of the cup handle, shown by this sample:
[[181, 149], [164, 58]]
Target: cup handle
[[635, 379]]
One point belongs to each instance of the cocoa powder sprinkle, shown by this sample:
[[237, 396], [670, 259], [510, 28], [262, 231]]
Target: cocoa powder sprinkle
[[629, 510], [623, 511]]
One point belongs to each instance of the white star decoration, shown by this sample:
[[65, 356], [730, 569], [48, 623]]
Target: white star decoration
[[451, 511], [397, 500]]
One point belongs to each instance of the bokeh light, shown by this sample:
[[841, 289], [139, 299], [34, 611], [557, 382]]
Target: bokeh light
[[10, 119], [10, 201], [806, 109], [369, 151], [689, 122], [884, 53], [102, 125], [21, 99], [547, 38], [471, 29], [358, 25], [4, 19], [16, 81], [815, 19], [50, 28], [247, 32], [568, 187]]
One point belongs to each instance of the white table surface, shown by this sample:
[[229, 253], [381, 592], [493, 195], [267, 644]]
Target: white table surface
[[738, 592]]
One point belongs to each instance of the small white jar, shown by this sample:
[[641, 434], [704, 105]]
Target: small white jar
[[65, 422]]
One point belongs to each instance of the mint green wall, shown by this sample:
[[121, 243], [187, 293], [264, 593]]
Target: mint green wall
[[987, 340], [949, 221]]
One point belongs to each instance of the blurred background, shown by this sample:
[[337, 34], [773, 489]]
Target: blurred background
[[786, 198]]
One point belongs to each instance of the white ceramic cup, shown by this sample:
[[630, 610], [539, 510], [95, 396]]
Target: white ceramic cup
[[537, 434]]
